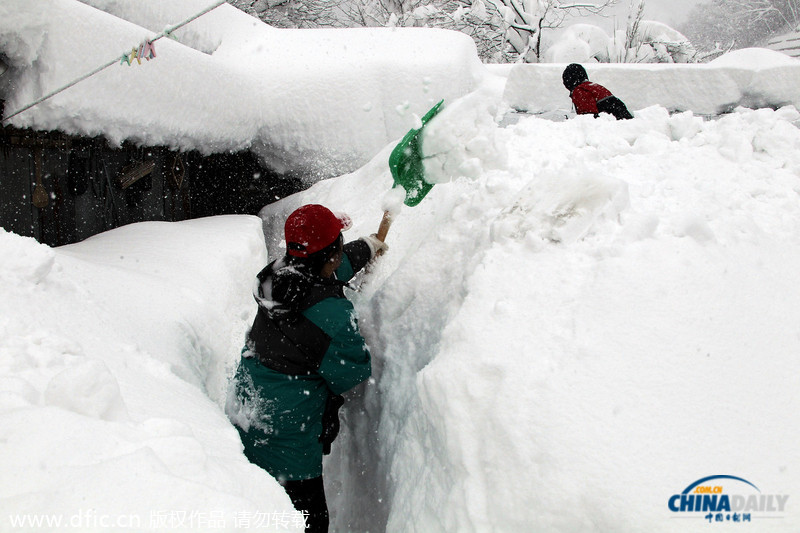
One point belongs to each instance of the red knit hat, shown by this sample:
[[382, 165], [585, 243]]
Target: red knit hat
[[311, 228]]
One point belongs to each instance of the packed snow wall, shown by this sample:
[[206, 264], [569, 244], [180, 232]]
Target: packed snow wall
[[114, 360], [751, 78]]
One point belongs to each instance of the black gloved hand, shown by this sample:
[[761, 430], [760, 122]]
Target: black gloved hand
[[330, 422]]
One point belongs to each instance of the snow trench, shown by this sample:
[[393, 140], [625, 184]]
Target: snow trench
[[564, 290]]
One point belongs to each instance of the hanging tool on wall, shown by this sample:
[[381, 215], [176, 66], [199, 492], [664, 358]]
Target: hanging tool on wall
[[40, 196]]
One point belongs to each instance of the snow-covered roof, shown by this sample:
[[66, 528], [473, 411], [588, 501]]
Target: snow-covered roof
[[319, 100], [788, 43]]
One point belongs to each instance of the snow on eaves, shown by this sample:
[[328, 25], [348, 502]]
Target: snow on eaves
[[306, 101]]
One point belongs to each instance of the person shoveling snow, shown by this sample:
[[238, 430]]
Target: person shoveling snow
[[303, 351], [589, 97]]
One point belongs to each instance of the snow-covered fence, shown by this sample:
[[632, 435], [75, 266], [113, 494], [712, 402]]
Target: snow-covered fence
[[788, 44], [707, 89]]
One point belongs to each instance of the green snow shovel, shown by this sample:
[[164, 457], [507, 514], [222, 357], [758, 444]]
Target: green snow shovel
[[405, 163]]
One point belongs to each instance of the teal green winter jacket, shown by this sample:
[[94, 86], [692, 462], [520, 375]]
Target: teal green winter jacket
[[303, 349]]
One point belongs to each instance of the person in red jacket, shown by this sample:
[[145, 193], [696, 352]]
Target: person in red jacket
[[589, 97]]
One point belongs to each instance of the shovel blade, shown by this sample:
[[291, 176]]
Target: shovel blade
[[405, 162]]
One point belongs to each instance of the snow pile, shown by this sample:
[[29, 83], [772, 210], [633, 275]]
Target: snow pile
[[568, 336], [753, 58], [756, 78], [114, 356], [319, 102]]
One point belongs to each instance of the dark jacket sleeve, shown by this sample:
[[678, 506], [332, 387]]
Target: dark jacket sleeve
[[356, 257], [614, 106]]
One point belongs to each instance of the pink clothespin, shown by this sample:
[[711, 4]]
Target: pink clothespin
[[149, 50]]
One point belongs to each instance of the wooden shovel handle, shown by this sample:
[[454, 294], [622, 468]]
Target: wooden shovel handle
[[383, 229]]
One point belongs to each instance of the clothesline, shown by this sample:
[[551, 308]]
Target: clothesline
[[166, 33]]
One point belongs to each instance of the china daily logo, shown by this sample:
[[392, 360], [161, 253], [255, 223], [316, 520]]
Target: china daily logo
[[727, 499]]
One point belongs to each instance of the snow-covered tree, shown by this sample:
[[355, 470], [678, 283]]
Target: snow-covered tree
[[293, 13], [503, 30], [772, 14], [655, 42], [527, 19], [642, 41], [480, 19], [728, 24], [635, 14], [580, 43]]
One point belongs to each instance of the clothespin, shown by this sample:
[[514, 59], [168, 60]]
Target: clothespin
[[125, 60], [135, 55], [149, 50]]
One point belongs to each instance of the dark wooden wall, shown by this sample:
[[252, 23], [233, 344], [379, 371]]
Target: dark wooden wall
[[87, 194]]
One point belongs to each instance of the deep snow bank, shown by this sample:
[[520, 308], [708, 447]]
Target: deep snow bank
[[114, 355], [317, 102], [752, 78], [581, 319]]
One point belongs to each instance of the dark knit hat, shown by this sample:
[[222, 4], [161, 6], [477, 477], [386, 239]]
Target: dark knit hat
[[573, 76]]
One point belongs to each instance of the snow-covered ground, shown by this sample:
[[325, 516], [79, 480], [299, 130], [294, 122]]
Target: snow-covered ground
[[580, 320]]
